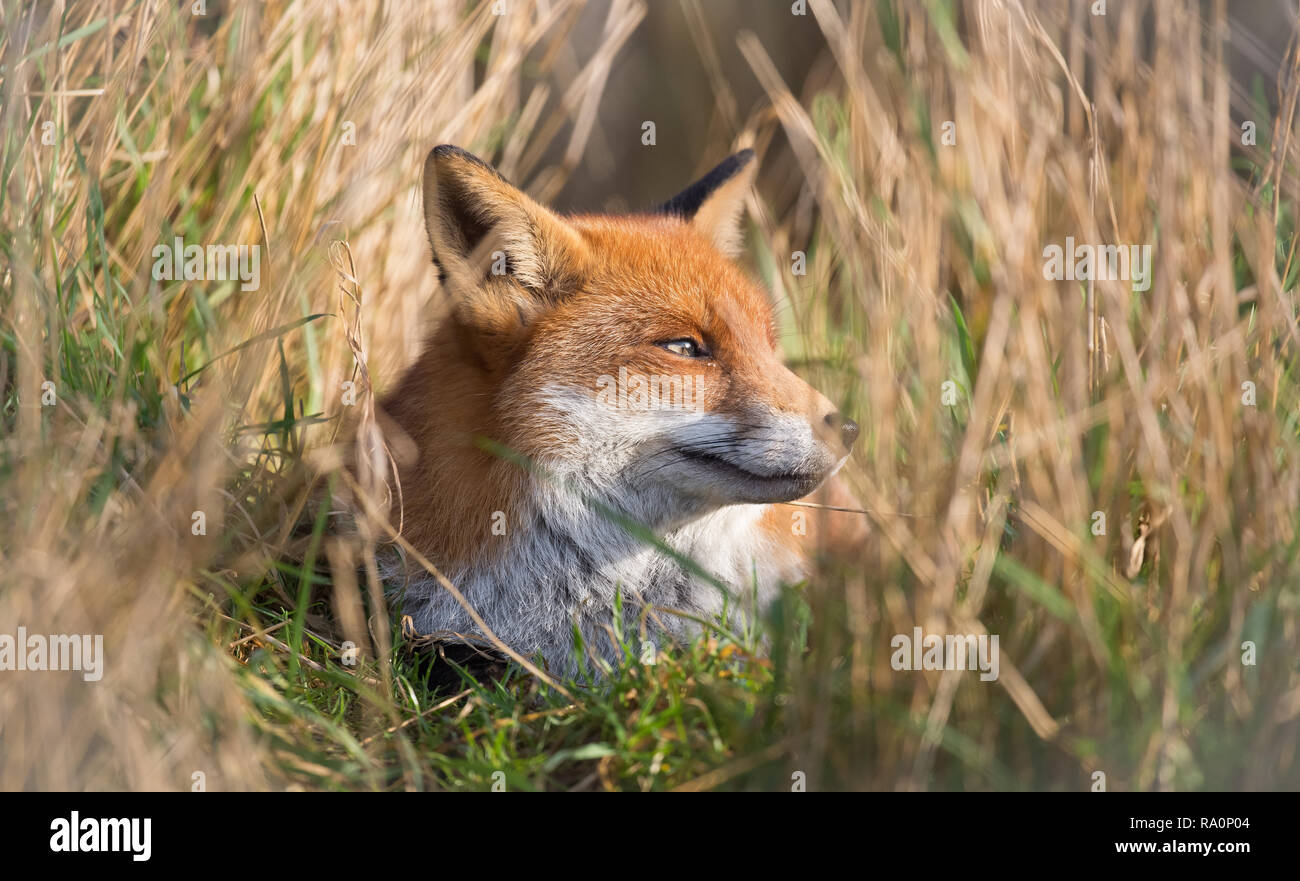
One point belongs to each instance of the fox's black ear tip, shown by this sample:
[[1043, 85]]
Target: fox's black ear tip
[[438, 154], [689, 200], [445, 152], [734, 163]]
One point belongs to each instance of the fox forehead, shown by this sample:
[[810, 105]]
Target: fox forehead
[[656, 275]]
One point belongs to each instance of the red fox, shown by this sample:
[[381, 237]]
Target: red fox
[[564, 338]]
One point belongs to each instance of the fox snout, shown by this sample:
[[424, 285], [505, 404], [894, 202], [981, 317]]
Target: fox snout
[[830, 426], [847, 428], [758, 452]]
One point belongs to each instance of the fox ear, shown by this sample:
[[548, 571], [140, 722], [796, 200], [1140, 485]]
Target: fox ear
[[483, 230], [713, 203]]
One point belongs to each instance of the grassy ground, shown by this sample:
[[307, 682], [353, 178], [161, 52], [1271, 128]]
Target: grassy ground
[[1002, 411]]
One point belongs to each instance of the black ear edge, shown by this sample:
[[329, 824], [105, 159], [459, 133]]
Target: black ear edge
[[689, 200], [450, 151]]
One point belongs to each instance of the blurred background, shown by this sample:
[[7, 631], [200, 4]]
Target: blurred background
[[915, 161]]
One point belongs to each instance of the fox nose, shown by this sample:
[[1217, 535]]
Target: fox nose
[[848, 428]]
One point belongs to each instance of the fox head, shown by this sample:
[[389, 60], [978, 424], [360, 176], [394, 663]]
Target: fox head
[[627, 354]]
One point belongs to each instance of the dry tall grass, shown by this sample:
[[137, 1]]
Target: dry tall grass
[[1121, 652], [302, 124]]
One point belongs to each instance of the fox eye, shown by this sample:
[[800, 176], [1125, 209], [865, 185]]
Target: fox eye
[[686, 347]]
